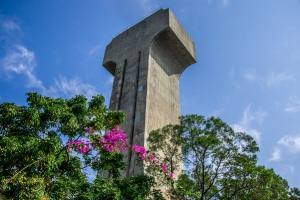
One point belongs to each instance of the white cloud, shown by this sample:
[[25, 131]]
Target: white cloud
[[8, 25], [95, 49], [286, 144], [292, 143], [293, 109], [19, 60], [22, 61], [294, 106], [250, 75], [270, 80], [274, 79], [276, 155], [260, 116], [241, 128], [73, 87], [244, 124]]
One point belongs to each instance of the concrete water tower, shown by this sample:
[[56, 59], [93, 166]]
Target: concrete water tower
[[146, 61]]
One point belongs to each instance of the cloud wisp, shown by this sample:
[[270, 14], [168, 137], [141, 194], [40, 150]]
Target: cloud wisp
[[8, 25], [244, 125], [21, 61], [289, 144], [95, 49], [294, 106], [276, 155], [271, 79], [274, 79], [292, 143], [73, 87]]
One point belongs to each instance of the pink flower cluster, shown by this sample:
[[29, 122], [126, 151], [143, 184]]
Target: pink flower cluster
[[113, 140], [150, 159], [80, 145], [141, 151], [116, 140]]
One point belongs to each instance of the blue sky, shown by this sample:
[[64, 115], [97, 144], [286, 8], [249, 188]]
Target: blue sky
[[247, 71]]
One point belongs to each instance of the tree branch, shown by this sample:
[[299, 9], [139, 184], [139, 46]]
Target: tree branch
[[9, 180]]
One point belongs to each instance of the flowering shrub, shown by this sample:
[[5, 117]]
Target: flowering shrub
[[80, 145], [116, 140]]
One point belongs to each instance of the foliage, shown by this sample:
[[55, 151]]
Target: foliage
[[36, 162], [262, 184], [169, 137], [220, 163], [294, 194]]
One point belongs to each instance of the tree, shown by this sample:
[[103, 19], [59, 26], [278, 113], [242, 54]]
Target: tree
[[213, 154], [262, 184], [294, 194], [220, 163], [36, 163], [170, 138]]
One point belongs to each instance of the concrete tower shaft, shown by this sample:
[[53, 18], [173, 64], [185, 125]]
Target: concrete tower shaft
[[146, 61]]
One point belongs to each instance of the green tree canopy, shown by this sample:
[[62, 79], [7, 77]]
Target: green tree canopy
[[36, 163], [219, 162]]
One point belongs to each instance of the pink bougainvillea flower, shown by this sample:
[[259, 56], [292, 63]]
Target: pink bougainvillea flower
[[116, 140], [82, 146], [172, 176], [141, 151], [71, 145], [164, 167], [150, 158]]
